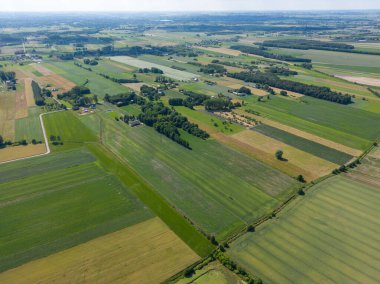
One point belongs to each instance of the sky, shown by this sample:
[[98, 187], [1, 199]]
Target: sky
[[184, 5]]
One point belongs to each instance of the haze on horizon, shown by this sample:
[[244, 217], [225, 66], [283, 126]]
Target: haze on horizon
[[183, 5]]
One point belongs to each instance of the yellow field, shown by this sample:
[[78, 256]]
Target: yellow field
[[17, 152], [29, 92], [7, 115], [148, 252], [222, 50], [310, 166], [21, 101], [134, 86], [303, 134]]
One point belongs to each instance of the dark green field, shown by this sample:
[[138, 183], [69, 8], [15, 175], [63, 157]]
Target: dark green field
[[303, 144], [44, 218], [349, 126]]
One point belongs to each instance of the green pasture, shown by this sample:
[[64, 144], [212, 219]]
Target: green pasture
[[30, 127], [97, 84], [329, 236]]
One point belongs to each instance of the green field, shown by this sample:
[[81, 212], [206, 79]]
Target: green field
[[329, 236], [69, 127], [347, 125], [97, 84], [303, 144], [66, 125], [206, 183], [62, 208], [30, 127], [170, 72]]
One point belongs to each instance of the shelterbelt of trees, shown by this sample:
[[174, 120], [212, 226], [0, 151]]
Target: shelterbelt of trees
[[179, 50], [306, 44], [323, 93], [262, 51]]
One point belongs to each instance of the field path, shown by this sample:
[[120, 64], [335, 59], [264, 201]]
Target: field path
[[45, 138]]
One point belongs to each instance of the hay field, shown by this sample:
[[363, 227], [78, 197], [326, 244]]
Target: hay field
[[329, 236], [360, 80], [16, 152], [134, 86], [148, 252], [369, 170], [7, 115], [29, 92], [170, 72], [21, 101], [223, 50]]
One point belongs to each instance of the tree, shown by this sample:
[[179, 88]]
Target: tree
[[283, 93], [300, 178], [1, 140], [279, 155]]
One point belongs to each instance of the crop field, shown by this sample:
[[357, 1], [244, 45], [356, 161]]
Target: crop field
[[297, 162], [101, 201], [21, 101], [11, 153], [30, 127], [369, 170], [71, 131], [7, 115], [302, 134], [170, 72], [306, 145], [97, 84], [119, 257], [223, 50], [185, 180], [346, 125], [329, 236]]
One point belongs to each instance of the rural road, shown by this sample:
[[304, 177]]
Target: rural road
[[45, 138]]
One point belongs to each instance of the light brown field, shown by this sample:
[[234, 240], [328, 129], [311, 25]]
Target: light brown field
[[375, 153], [122, 66], [236, 84], [148, 252], [134, 86], [29, 96], [369, 170], [312, 167], [290, 94], [7, 115], [303, 134], [361, 80], [16, 152], [42, 69], [21, 102], [223, 50]]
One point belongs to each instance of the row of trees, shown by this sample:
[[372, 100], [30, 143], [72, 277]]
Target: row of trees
[[153, 70], [213, 69], [264, 53], [40, 94], [323, 93], [124, 99], [307, 44]]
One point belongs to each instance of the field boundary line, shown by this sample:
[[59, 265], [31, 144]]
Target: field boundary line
[[48, 151]]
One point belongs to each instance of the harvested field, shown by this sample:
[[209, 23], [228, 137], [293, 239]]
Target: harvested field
[[222, 50], [16, 152], [303, 144], [303, 134], [148, 252], [290, 94], [170, 72], [29, 92], [42, 69], [369, 170], [331, 235], [312, 166], [7, 115], [120, 65], [134, 86], [361, 80], [21, 103]]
